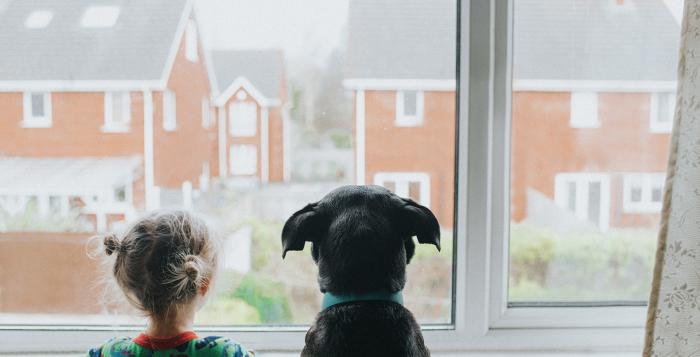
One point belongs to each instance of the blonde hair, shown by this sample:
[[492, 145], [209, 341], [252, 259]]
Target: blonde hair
[[162, 260]]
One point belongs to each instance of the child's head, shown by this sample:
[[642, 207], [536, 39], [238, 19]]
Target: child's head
[[163, 260]]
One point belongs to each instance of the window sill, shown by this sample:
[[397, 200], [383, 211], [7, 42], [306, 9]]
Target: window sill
[[408, 122], [115, 129], [36, 124]]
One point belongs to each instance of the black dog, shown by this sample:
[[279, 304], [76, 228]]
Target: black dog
[[362, 239]]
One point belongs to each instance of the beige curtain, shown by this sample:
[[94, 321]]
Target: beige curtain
[[673, 320]]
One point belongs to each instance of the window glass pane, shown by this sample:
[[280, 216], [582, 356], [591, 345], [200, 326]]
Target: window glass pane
[[582, 88], [303, 103], [37, 104], [409, 103]]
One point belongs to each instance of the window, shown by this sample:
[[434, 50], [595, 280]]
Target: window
[[243, 119], [38, 19], [191, 37], [244, 159], [584, 110], [207, 114], [169, 111], [100, 16], [661, 111], [415, 186], [117, 111], [409, 108], [585, 196], [37, 110], [643, 193]]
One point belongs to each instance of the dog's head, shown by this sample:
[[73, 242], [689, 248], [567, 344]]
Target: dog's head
[[362, 237]]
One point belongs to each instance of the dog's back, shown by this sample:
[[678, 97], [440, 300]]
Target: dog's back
[[367, 329]]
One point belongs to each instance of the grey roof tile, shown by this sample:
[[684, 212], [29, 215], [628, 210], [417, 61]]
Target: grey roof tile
[[263, 68], [136, 48]]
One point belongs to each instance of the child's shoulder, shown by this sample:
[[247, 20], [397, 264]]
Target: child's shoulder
[[114, 346], [220, 346]]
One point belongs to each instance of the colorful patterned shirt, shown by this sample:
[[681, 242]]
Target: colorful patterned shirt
[[186, 344]]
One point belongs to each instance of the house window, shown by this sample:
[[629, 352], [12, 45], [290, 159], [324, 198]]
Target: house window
[[100, 16], [661, 111], [191, 37], [409, 108], [243, 119], [643, 192], [207, 114], [37, 110], [584, 110], [243, 159], [117, 111], [413, 185], [38, 19], [586, 196], [169, 111]]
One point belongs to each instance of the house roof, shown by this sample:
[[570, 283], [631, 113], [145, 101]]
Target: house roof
[[137, 47], [595, 40], [562, 39], [65, 176], [263, 69], [401, 39]]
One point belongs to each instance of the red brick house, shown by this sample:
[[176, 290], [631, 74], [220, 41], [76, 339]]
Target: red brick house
[[102, 105], [591, 109], [252, 115], [401, 69]]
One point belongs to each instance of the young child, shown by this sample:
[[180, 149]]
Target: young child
[[165, 264]]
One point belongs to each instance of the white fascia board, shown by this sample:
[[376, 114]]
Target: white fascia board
[[400, 84], [565, 85], [243, 82]]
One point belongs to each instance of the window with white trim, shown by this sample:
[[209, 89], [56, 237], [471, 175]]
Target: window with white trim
[[169, 110], [243, 159], [38, 19], [661, 111], [413, 185], [100, 16], [191, 42], [584, 110], [117, 111], [37, 110], [409, 108], [584, 195], [243, 119], [643, 192], [207, 113]]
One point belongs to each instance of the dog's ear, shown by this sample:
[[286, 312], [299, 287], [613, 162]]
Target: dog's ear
[[306, 225], [420, 222]]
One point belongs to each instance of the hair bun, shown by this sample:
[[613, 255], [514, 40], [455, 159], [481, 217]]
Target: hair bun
[[111, 244], [192, 267]]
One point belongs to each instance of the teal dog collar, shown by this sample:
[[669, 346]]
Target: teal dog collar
[[330, 299]]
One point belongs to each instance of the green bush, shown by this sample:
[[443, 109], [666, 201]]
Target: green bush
[[268, 297]]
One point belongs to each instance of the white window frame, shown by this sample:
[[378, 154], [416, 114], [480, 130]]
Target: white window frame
[[582, 180], [207, 114], [402, 181], [484, 324], [646, 181], [121, 125], [239, 125], [169, 110], [584, 110], [235, 167], [403, 120], [191, 42], [655, 125], [31, 121]]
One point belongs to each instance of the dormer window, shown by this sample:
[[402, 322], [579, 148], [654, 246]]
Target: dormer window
[[100, 16], [38, 19], [191, 37]]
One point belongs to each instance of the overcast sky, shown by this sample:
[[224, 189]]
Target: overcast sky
[[305, 29]]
